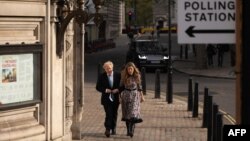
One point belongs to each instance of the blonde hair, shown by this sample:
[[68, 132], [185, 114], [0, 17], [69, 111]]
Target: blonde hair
[[108, 63], [125, 75]]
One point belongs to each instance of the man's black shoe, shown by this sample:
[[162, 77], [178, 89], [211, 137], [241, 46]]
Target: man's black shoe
[[107, 133], [113, 132]]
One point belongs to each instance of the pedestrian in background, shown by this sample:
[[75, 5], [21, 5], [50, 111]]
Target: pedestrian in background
[[211, 51], [222, 48], [131, 96], [108, 84]]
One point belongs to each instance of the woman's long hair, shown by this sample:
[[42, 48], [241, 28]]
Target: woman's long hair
[[125, 75]]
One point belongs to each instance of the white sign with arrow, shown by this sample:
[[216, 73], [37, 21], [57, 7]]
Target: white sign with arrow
[[206, 21]]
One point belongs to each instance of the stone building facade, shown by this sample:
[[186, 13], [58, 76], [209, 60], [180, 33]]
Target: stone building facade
[[113, 21], [50, 106]]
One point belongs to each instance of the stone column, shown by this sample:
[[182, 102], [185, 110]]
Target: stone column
[[78, 78], [69, 68], [78, 81]]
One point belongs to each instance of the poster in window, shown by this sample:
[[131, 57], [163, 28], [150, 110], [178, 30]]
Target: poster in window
[[16, 75]]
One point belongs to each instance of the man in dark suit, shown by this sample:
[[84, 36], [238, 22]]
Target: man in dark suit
[[108, 84]]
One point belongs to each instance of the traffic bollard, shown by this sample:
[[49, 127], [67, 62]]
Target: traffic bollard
[[196, 100], [157, 84], [190, 94]]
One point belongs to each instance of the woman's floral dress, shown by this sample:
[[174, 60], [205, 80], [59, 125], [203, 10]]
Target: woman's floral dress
[[130, 102]]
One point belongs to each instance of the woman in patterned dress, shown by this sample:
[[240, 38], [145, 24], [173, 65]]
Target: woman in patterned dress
[[131, 92]]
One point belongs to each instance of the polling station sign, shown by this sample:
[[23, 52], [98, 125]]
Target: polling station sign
[[206, 21]]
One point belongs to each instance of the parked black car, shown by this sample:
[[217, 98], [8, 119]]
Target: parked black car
[[148, 53]]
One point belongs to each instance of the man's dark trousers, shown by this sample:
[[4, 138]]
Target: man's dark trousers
[[111, 109]]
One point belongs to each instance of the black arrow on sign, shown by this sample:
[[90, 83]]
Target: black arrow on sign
[[191, 31]]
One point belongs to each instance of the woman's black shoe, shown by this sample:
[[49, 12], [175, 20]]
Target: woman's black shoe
[[131, 135]]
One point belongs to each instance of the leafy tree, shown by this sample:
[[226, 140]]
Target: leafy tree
[[144, 12]]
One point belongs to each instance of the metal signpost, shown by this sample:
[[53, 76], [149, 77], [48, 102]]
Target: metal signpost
[[169, 95]]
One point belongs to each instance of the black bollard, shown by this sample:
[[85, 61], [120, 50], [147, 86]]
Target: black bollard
[[157, 84], [196, 100], [205, 109], [169, 94], [143, 82], [210, 118], [186, 52], [190, 94], [219, 127], [215, 112]]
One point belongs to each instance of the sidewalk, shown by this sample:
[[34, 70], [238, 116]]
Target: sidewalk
[[162, 121], [188, 67]]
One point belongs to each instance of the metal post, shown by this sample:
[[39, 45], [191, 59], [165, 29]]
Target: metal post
[[143, 77], [205, 109], [190, 94], [157, 84], [196, 100], [135, 12], [215, 112], [170, 87], [170, 83], [186, 51], [210, 119], [219, 126]]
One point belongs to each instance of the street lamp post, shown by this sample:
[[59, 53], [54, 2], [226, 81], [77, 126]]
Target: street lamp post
[[169, 95], [65, 15], [135, 13]]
